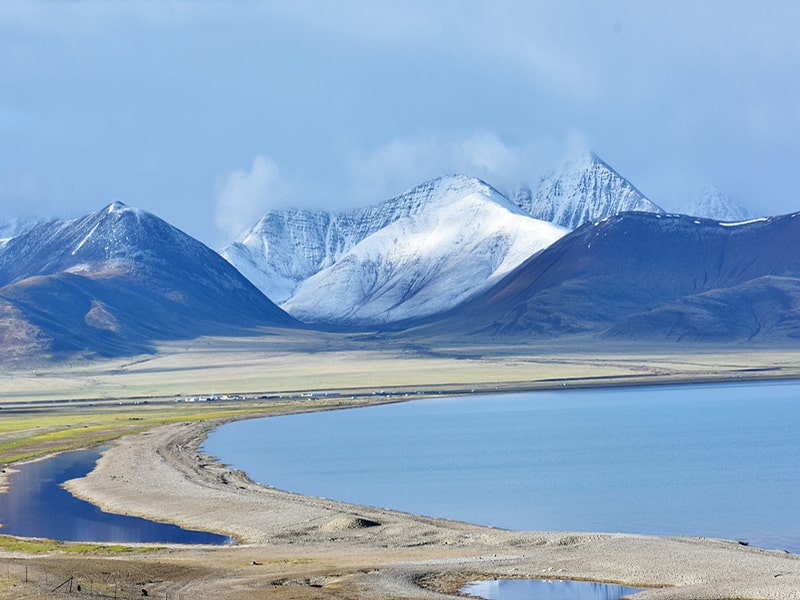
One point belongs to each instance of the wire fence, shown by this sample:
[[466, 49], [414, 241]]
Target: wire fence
[[23, 579]]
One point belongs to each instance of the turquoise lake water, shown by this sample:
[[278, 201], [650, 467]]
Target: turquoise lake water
[[697, 460]]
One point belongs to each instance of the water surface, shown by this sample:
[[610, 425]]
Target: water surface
[[37, 506], [696, 460]]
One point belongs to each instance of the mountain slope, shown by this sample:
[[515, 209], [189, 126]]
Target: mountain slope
[[115, 281], [359, 266], [457, 237], [631, 264], [582, 190], [767, 307]]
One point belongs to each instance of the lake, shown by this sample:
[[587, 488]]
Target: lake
[[714, 460], [37, 506]]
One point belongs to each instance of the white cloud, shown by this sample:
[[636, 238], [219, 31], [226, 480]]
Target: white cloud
[[405, 162], [244, 195]]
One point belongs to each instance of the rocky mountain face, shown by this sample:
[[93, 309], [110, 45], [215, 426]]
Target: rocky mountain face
[[582, 190], [415, 254], [115, 281], [649, 276]]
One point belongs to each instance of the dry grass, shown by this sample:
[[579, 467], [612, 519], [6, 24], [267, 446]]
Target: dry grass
[[275, 364]]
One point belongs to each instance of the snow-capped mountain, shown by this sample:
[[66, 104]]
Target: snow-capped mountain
[[412, 255], [650, 277], [713, 203], [583, 189], [286, 247], [115, 281], [14, 227], [326, 267], [454, 237]]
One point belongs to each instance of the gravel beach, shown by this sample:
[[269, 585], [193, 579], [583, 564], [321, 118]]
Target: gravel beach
[[295, 547]]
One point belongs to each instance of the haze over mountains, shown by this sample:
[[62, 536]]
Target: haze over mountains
[[452, 257], [14, 227]]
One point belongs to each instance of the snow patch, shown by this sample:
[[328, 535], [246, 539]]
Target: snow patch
[[748, 222], [86, 238]]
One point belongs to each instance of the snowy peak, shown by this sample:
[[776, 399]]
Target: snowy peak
[[581, 190], [425, 262], [713, 203], [288, 246], [440, 193], [116, 236], [118, 279]]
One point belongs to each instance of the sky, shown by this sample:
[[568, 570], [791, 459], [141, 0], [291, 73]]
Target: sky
[[208, 113]]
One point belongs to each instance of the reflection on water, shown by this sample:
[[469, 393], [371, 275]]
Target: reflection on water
[[543, 589], [37, 506]]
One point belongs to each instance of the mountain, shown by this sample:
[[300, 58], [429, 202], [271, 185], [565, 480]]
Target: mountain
[[456, 236], [583, 189], [632, 273], [14, 227], [116, 281], [767, 307], [713, 203], [414, 254]]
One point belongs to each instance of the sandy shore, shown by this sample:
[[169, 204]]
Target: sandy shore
[[293, 546]]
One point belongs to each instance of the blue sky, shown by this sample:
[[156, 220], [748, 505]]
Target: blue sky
[[207, 113]]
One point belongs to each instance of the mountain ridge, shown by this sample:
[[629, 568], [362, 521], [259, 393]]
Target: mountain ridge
[[619, 267], [582, 189], [467, 236], [116, 281]]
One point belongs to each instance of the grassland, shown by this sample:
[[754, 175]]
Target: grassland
[[56, 407]]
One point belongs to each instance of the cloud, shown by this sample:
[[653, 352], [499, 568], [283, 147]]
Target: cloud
[[244, 195], [402, 163]]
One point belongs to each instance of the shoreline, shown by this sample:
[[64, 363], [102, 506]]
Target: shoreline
[[161, 475]]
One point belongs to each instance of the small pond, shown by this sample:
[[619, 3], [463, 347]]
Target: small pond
[[545, 589], [36, 505]]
